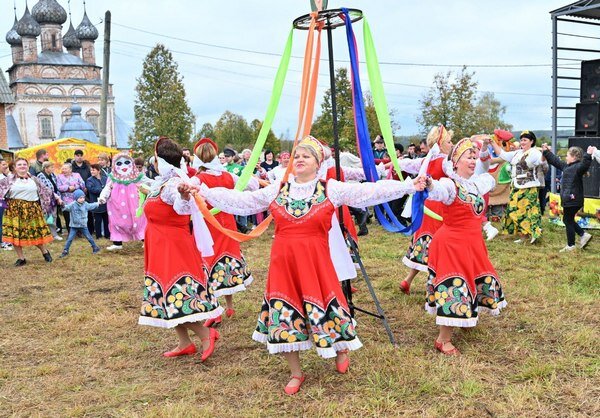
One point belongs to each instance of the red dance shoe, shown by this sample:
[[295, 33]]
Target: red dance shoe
[[291, 390], [344, 365], [213, 335], [229, 312], [353, 289], [212, 321], [405, 287], [190, 349], [439, 346]]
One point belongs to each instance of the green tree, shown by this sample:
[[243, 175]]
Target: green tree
[[160, 106], [232, 130], [207, 131], [453, 101], [489, 112], [272, 142]]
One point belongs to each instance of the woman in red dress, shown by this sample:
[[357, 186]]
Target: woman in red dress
[[227, 269], [418, 252], [304, 304], [462, 281], [176, 294]]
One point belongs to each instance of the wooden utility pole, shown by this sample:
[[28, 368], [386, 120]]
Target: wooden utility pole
[[105, 80]]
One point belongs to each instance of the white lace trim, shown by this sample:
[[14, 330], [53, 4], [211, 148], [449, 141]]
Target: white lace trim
[[172, 323], [413, 265], [361, 195], [235, 289], [328, 352]]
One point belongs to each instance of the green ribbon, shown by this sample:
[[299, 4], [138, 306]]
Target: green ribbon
[[381, 107], [269, 117]]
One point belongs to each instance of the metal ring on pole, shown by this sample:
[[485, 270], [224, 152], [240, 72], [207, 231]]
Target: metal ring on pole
[[331, 19]]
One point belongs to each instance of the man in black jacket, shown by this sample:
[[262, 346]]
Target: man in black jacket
[[80, 166]]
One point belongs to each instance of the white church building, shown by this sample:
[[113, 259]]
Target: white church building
[[50, 70]]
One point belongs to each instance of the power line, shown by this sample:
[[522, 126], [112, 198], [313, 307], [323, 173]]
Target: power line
[[408, 64]]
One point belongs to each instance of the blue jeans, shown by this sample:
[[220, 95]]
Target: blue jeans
[[86, 233]]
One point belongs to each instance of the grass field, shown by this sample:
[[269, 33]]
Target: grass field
[[71, 345]]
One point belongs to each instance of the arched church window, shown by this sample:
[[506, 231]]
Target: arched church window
[[93, 117], [46, 125]]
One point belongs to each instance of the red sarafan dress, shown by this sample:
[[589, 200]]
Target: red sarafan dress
[[462, 281], [227, 269], [303, 303], [417, 255], [175, 282]]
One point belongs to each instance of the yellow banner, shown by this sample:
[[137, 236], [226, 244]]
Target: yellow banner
[[588, 217]]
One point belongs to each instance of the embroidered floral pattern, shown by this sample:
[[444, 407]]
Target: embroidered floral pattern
[[489, 292], [282, 323], [299, 208], [451, 297], [475, 200], [185, 297], [418, 251], [228, 272]]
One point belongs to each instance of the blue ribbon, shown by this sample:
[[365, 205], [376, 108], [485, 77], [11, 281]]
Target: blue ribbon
[[383, 212]]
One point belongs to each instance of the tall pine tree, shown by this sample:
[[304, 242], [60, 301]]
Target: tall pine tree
[[161, 108]]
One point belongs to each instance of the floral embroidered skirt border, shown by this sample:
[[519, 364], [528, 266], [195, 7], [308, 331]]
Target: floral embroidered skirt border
[[23, 224]]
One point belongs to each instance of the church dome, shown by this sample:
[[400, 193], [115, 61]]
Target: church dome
[[27, 26], [70, 39], [49, 11], [12, 37], [85, 30]]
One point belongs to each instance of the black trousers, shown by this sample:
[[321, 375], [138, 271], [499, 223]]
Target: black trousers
[[67, 216], [101, 225], [570, 225]]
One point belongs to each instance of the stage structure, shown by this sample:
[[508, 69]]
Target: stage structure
[[576, 82]]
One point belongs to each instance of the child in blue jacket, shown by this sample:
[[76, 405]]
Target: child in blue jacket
[[78, 222]]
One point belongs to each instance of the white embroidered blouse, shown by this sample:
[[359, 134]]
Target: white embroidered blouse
[[352, 194], [444, 189]]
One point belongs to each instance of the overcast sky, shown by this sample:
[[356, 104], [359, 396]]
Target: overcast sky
[[425, 33]]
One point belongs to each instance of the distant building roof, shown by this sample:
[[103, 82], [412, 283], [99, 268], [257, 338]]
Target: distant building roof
[[59, 58], [14, 137], [6, 95], [122, 132], [77, 127]]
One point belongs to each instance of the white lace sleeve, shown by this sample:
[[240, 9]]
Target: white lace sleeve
[[252, 183], [507, 156], [484, 182], [171, 196], [361, 195], [443, 190], [354, 174], [411, 166], [597, 155], [534, 158], [240, 203]]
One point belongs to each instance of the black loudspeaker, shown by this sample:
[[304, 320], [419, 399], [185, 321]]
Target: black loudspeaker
[[591, 181], [590, 81], [587, 119]]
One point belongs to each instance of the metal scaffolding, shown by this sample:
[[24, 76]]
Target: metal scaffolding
[[577, 41]]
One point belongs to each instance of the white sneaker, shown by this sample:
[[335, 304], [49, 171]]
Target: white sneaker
[[533, 240], [7, 247], [58, 238], [114, 247], [490, 231], [585, 238], [567, 249], [518, 241]]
